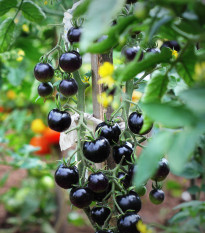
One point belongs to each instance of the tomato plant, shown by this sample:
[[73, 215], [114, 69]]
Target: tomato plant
[[158, 50]]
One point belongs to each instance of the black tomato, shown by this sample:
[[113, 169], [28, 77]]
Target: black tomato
[[43, 72], [45, 89], [70, 61], [100, 214], [162, 171], [124, 179], [81, 197], [104, 231], [98, 182], [74, 34], [135, 123], [128, 223], [153, 50], [59, 120], [131, 52], [97, 151], [172, 44], [68, 87], [100, 196], [129, 144], [130, 201], [110, 132], [119, 151], [156, 196], [131, 171], [131, 1], [66, 176]]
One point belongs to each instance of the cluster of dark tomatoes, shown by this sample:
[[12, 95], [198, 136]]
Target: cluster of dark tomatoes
[[69, 62], [98, 187]]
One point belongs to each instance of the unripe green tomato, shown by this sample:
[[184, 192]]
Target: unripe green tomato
[[140, 10], [141, 191], [47, 182]]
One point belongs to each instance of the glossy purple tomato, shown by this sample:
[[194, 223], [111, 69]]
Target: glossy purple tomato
[[81, 197], [59, 120], [97, 151], [43, 72], [66, 176]]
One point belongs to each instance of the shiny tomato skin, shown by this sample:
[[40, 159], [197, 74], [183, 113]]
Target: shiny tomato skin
[[81, 197], [128, 223], [66, 176], [99, 214], [109, 131], [130, 201], [59, 120], [98, 182], [97, 151]]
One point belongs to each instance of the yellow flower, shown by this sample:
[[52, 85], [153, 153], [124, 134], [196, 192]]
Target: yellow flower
[[21, 53], [45, 2], [106, 69], [108, 80], [85, 79], [105, 99], [20, 56], [11, 94], [37, 126], [175, 53], [142, 228], [199, 72], [136, 96], [25, 28]]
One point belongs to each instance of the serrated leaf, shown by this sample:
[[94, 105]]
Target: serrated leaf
[[6, 5], [98, 18], [168, 114], [156, 87], [148, 160], [135, 67], [32, 12], [6, 32]]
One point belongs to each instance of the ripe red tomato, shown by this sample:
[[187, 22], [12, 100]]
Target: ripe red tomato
[[1, 109], [51, 136], [42, 143]]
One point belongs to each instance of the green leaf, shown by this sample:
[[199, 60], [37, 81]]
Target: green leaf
[[194, 99], [168, 114], [186, 66], [148, 160], [32, 12], [192, 170], [190, 204], [147, 124], [6, 5], [193, 189], [6, 32], [81, 9], [4, 179], [98, 18], [183, 145], [164, 20], [135, 67], [156, 87]]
